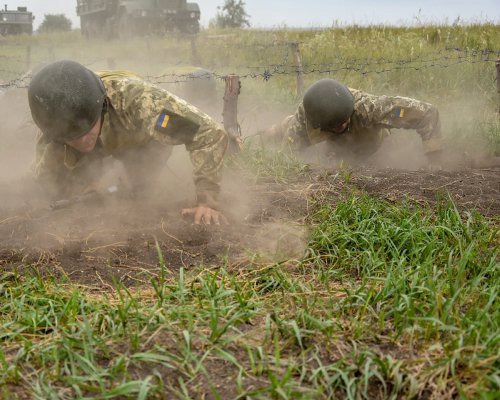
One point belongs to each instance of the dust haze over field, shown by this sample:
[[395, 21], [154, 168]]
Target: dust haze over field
[[402, 151], [333, 279]]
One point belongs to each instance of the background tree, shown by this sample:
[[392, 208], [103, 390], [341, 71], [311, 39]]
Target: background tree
[[232, 15], [55, 23]]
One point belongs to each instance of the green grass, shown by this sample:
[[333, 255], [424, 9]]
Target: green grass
[[389, 301], [259, 163]]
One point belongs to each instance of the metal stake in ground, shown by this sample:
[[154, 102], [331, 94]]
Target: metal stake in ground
[[230, 113]]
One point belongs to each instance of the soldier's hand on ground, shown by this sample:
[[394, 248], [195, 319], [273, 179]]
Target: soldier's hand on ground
[[205, 215], [435, 160]]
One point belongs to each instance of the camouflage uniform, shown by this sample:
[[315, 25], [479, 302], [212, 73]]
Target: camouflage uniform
[[131, 132], [370, 123]]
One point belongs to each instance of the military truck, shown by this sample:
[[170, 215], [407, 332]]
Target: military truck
[[127, 18], [14, 22]]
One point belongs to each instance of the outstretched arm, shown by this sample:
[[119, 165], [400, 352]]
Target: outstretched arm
[[405, 113], [173, 121]]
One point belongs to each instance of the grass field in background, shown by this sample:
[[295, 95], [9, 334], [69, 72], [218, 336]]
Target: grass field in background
[[390, 300]]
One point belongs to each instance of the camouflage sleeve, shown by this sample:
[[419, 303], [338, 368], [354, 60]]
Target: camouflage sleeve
[[405, 113], [292, 131], [207, 151], [169, 119]]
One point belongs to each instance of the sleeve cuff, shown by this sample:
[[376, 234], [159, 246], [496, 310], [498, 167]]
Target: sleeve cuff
[[207, 198]]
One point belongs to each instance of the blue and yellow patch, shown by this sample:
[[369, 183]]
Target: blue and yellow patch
[[163, 120], [399, 112], [176, 126]]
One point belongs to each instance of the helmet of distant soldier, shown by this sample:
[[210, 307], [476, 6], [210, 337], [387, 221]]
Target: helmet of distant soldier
[[66, 100], [328, 104]]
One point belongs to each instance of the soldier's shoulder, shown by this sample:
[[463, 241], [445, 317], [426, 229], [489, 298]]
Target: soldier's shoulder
[[118, 74], [360, 94], [121, 80]]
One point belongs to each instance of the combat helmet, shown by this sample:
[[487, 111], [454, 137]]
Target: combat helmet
[[66, 99], [328, 104]]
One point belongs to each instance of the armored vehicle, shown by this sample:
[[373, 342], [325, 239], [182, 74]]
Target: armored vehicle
[[13, 22], [127, 18]]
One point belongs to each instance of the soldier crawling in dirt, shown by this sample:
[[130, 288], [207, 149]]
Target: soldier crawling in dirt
[[84, 117], [355, 123]]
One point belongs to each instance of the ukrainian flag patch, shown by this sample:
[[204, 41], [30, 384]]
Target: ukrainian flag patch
[[178, 127], [399, 112], [163, 120]]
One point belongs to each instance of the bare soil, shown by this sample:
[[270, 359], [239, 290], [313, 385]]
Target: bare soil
[[471, 189], [96, 243]]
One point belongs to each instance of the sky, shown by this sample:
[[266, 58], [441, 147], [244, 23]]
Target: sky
[[316, 13]]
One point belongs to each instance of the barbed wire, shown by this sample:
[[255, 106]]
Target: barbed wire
[[266, 72]]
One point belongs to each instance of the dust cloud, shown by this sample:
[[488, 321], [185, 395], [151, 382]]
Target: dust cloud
[[127, 224], [124, 224], [17, 136]]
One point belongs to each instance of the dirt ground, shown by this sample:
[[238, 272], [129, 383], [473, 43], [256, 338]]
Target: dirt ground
[[115, 239], [473, 189]]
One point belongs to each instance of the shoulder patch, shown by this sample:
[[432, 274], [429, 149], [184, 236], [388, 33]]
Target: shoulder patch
[[176, 126], [399, 112], [163, 120]]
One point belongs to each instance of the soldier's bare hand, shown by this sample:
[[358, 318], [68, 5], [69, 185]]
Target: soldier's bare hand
[[205, 215]]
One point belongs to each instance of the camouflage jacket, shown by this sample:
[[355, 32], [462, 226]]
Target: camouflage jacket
[[372, 117], [138, 113]]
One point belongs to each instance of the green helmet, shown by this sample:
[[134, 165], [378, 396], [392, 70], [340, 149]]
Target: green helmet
[[66, 100], [328, 104]]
